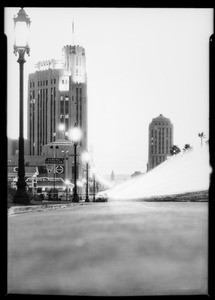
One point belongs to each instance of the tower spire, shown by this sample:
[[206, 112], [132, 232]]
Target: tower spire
[[73, 33]]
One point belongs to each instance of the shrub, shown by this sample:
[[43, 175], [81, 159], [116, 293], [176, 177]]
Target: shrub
[[10, 194]]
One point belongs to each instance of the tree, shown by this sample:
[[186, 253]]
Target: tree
[[174, 150], [202, 136], [187, 147]]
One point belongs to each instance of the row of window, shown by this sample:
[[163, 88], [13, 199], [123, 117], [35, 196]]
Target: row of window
[[62, 116], [62, 98], [64, 107], [79, 106], [158, 137], [158, 147], [32, 95], [64, 81], [65, 122], [77, 61], [42, 106], [157, 160], [160, 150], [42, 83], [161, 124], [31, 84], [154, 132], [42, 119]]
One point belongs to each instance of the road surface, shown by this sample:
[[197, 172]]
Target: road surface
[[110, 249]]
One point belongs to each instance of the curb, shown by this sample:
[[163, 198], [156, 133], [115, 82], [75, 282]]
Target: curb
[[30, 208]]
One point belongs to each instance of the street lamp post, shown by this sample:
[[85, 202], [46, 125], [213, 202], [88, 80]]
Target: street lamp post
[[75, 135], [34, 182], [54, 147], [94, 184], [94, 188], [65, 153], [87, 196], [67, 182], [75, 195], [65, 156], [21, 28], [86, 158]]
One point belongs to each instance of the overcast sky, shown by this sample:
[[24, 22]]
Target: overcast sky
[[140, 63]]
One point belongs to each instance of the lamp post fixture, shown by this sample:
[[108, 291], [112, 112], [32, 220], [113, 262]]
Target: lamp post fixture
[[75, 135], [86, 159], [21, 36], [94, 188], [94, 184]]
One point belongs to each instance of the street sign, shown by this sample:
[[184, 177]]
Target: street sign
[[15, 169], [49, 168], [54, 160], [59, 169]]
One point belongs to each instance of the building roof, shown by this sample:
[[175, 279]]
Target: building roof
[[160, 118]]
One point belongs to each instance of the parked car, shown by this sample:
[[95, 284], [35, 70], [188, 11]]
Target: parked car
[[101, 197]]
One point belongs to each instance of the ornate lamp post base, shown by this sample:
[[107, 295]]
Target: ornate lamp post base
[[75, 198], [21, 196]]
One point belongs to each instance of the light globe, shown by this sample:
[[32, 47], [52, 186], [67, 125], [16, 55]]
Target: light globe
[[85, 157], [61, 127], [21, 32], [75, 134], [67, 182]]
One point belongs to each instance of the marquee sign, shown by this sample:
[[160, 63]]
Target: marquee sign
[[54, 160]]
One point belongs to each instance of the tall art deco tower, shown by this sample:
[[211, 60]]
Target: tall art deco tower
[[57, 94], [160, 141]]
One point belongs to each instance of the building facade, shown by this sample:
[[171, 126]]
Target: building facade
[[13, 147], [57, 94], [160, 141], [37, 165]]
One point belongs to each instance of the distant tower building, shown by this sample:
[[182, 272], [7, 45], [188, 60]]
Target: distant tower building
[[160, 141], [112, 176], [57, 94]]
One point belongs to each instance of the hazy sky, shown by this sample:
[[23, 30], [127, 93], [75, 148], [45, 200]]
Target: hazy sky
[[140, 63]]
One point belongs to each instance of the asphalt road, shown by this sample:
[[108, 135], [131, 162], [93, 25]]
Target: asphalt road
[[114, 248]]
